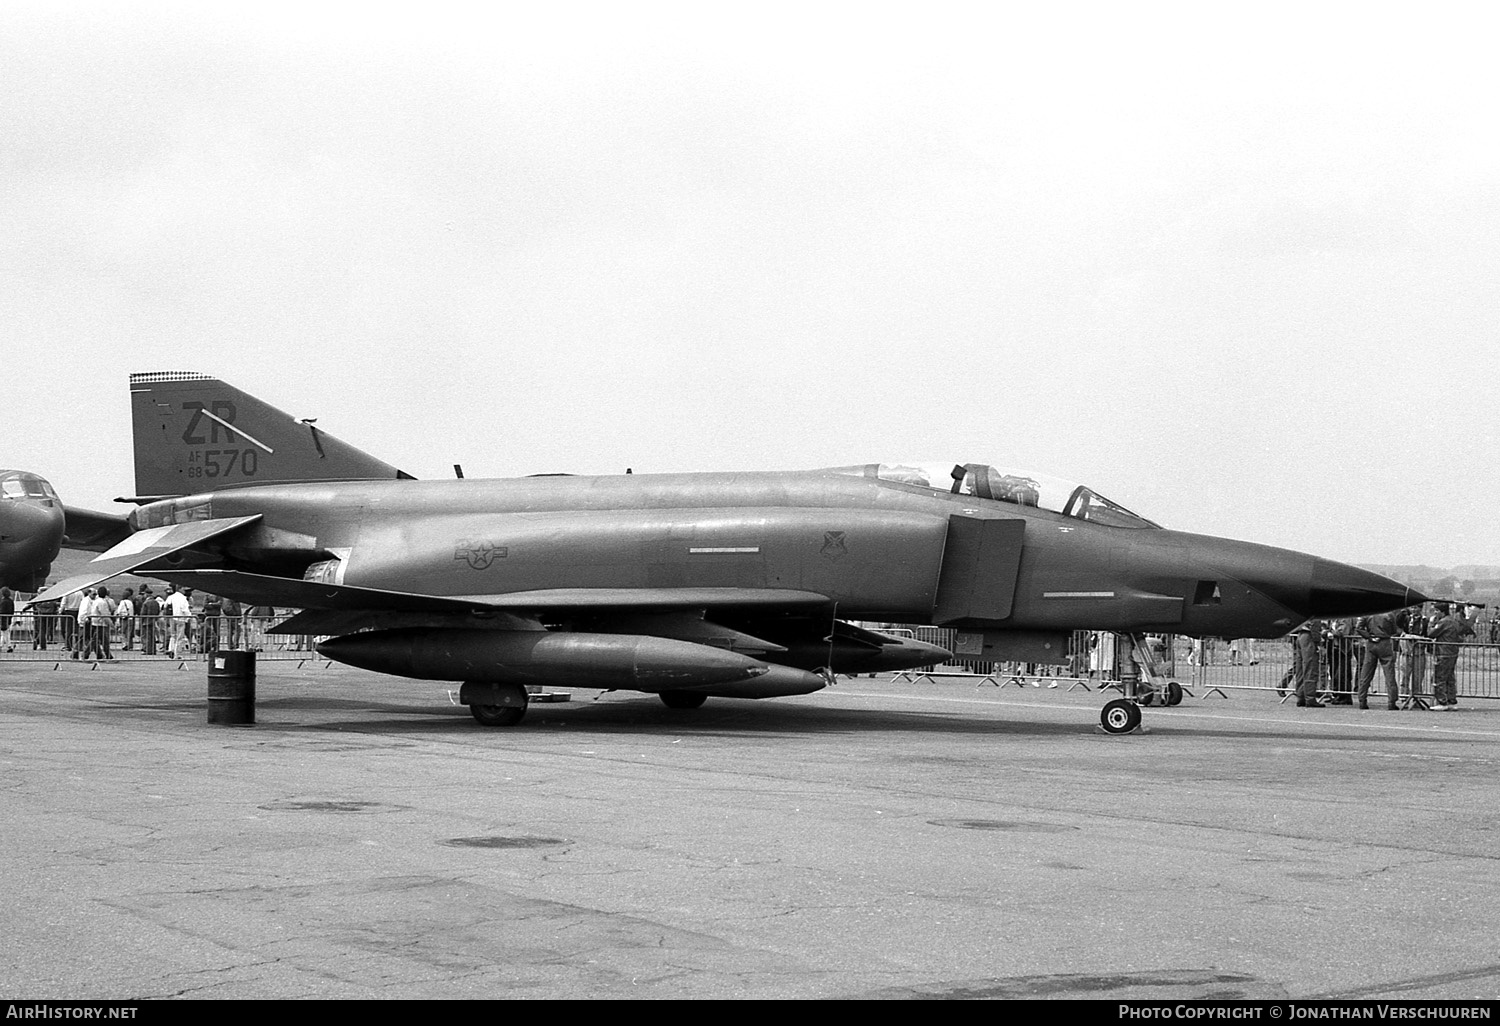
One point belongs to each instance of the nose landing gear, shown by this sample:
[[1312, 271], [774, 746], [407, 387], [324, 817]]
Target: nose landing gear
[[1141, 684], [1120, 716]]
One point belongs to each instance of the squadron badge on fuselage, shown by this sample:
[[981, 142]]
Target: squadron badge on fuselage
[[833, 544]]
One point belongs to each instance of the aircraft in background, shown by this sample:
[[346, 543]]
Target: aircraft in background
[[35, 525], [684, 585]]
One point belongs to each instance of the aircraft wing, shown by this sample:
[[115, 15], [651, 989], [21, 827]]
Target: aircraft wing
[[141, 548], [91, 531], [261, 589]]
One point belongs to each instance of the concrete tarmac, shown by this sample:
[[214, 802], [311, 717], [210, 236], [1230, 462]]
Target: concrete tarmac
[[367, 839]]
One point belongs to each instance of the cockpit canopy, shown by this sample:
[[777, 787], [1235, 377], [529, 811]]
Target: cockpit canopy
[[17, 484], [1022, 488]]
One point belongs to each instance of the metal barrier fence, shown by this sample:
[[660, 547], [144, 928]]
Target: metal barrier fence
[[1477, 672], [1214, 666], [53, 638]]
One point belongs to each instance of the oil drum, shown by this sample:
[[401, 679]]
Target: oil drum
[[231, 688]]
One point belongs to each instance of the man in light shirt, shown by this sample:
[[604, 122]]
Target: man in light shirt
[[180, 609], [125, 617], [103, 616], [84, 636]]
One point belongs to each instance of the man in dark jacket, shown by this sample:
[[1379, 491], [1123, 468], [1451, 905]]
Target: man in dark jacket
[[1447, 634], [150, 613], [1309, 663], [1379, 632]]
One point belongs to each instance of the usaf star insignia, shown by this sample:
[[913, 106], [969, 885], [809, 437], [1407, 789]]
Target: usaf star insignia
[[479, 555]]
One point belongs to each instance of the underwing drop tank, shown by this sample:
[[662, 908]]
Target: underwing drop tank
[[604, 661]]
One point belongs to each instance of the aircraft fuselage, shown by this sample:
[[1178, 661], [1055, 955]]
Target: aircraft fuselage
[[876, 550]]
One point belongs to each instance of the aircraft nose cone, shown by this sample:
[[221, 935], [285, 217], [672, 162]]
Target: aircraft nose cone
[[29, 535], [1339, 590], [1310, 586]]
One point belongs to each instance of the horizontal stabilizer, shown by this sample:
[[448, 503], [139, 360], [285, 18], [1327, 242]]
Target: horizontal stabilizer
[[141, 548]]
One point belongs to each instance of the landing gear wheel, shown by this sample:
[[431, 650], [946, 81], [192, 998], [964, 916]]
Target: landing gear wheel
[[683, 699], [498, 715], [1174, 693], [1120, 716], [1146, 697], [494, 704]]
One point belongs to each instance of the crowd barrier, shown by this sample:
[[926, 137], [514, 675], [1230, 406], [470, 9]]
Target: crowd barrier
[[1477, 672], [54, 638], [1214, 667]]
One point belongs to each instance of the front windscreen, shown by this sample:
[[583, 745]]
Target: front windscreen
[[25, 486]]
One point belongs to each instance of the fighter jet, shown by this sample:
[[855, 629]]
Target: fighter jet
[[35, 525], [689, 586]]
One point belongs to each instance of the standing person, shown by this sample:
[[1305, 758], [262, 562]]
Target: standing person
[[1447, 634], [44, 623], [1309, 652], [213, 623], [7, 614], [256, 620], [104, 618], [180, 608], [150, 611], [1379, 632], [164, 624], [125, 617], [84, 639], [1414, 646], [1341, 654], [233, 622], [68, 624]]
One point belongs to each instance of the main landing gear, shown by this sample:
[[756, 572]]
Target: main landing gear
[[494, 705]]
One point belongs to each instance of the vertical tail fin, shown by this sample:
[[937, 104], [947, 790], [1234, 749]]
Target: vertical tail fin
[[194, 433]]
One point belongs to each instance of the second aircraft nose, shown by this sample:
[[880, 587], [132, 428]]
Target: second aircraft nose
[[29, 536]]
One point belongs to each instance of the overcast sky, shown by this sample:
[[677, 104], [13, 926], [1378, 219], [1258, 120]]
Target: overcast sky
[[1236, 266]]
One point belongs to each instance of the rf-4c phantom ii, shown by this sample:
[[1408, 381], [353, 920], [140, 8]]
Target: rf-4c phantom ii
[[688, 586]]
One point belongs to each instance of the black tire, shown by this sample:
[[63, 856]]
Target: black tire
[[1120, 716], [683, 699], [1145, 697], [1174, 693], [498, 715]]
